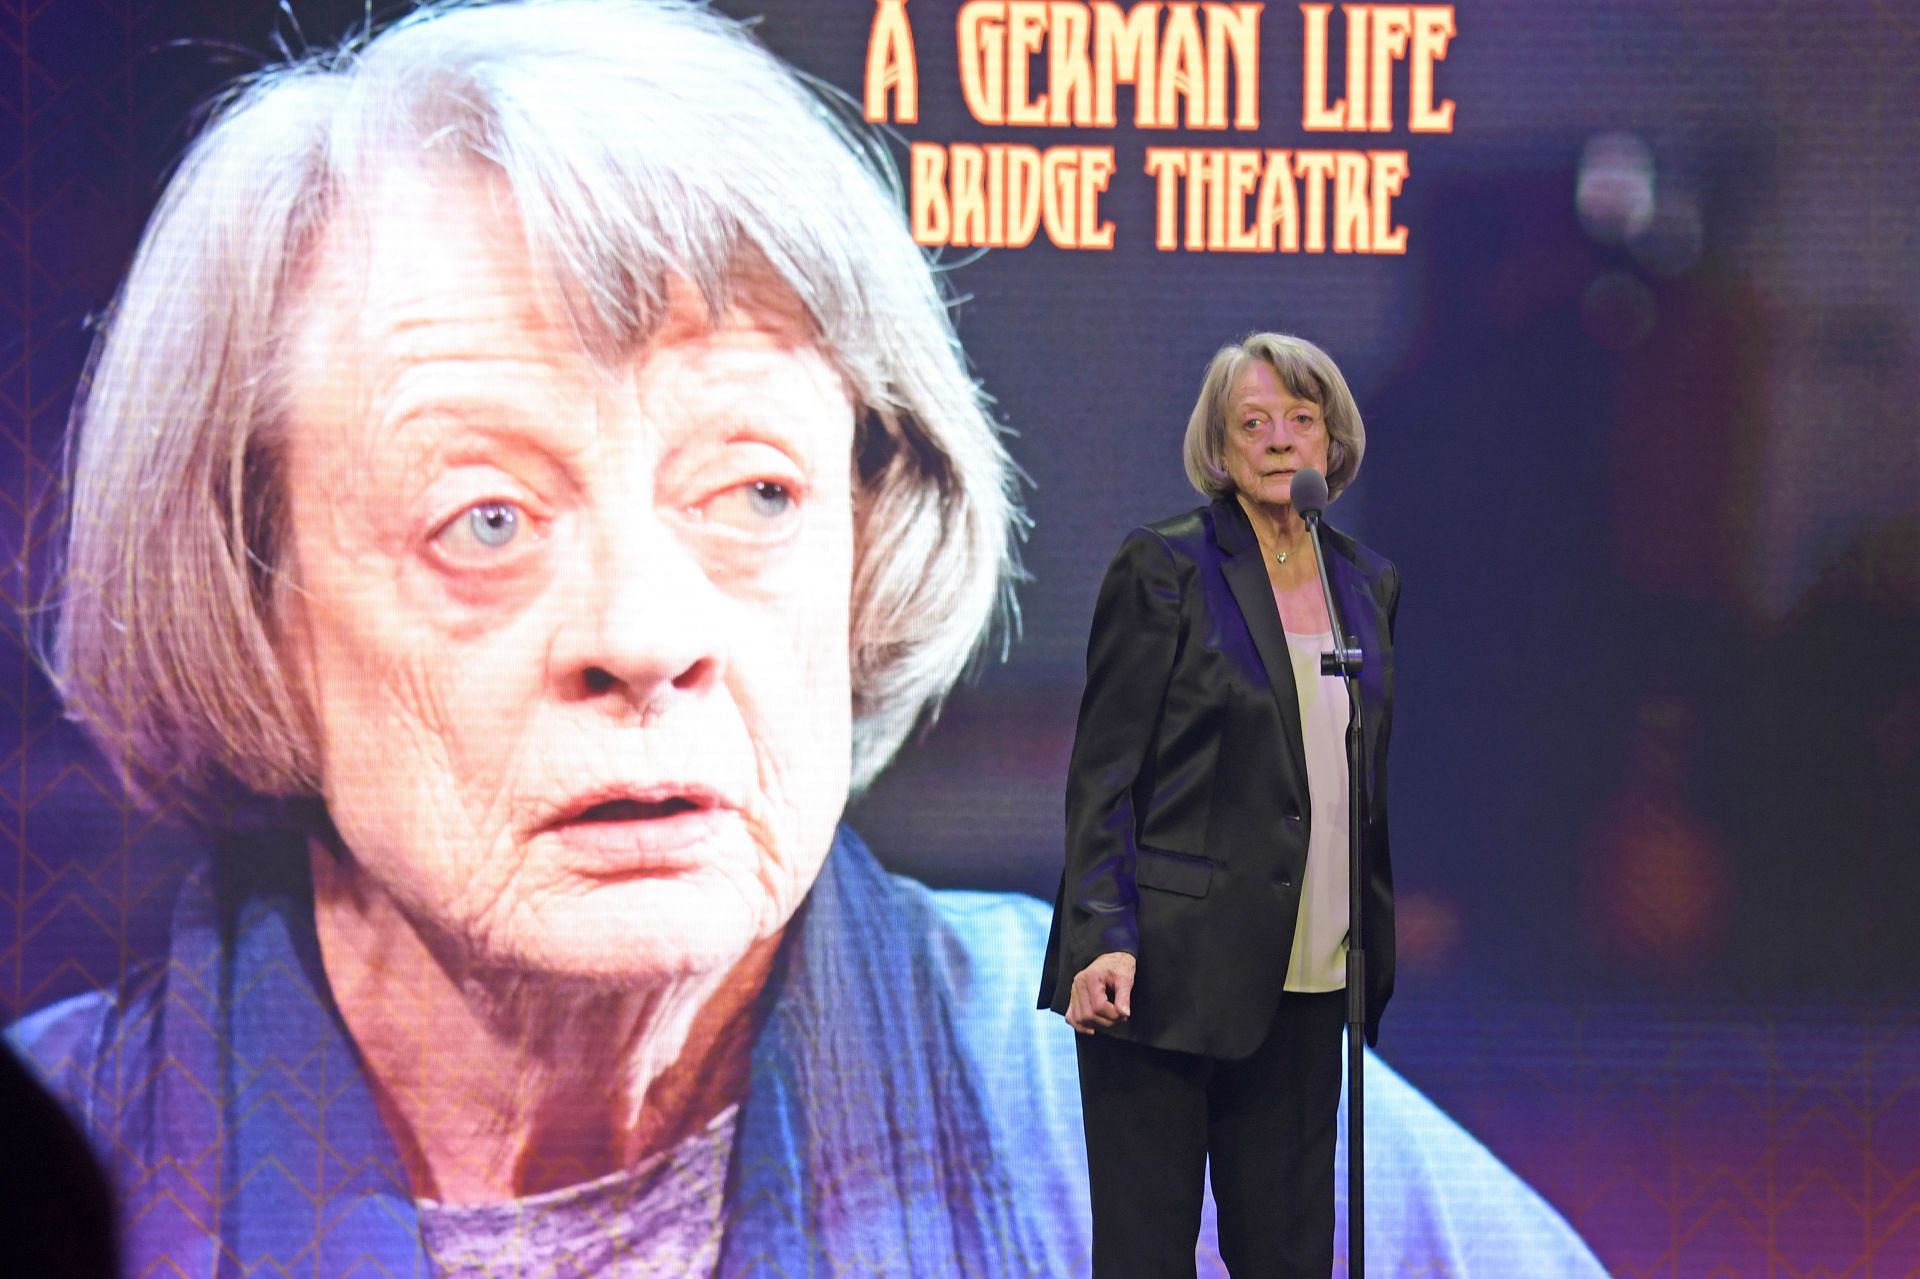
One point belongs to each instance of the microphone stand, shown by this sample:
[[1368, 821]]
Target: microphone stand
[[1345, 661]]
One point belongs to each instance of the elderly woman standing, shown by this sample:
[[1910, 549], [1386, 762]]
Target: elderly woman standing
[[1200, 933]]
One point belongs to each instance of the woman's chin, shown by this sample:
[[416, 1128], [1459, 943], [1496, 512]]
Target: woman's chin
[[640, 932]]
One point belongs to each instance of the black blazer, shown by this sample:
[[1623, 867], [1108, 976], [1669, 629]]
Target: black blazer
[[1187, 801]]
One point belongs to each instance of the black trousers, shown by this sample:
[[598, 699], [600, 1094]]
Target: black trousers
[[1268, 1123]]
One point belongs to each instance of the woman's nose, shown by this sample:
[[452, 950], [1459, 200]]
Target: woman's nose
[[646, 626]]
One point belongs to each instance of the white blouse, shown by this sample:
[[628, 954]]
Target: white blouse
[[1319, 961]]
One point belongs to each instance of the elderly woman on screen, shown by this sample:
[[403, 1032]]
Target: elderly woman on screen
[[527, 483], [554, 502]]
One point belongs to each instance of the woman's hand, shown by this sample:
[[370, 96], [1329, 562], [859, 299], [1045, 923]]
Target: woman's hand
[[1102, 993]]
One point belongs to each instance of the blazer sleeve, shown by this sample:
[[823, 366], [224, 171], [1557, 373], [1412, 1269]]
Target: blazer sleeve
[[1391, 605], [1382, 959], [1130, 658], [1390, 593]]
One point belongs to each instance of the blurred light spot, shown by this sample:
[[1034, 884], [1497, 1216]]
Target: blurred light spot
[[1618, 311], [1614, 193], [1426, 929], [1669, 887], [1655, 875], [1671, 243]]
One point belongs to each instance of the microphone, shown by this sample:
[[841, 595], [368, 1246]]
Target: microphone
[[1308, 493]]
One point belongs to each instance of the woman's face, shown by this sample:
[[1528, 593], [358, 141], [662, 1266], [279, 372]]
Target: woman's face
[[1271, 434], [577, 644]]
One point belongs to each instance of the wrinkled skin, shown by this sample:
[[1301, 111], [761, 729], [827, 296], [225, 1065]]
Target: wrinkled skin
[[577, 646]]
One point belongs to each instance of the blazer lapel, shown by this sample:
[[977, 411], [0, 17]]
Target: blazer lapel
[[1246, 574]]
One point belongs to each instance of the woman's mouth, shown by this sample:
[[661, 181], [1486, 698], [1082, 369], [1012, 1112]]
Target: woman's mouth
[[637, 810], [627, 836]]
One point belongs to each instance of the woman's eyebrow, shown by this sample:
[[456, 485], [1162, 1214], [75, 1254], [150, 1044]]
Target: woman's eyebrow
[[462, 429]]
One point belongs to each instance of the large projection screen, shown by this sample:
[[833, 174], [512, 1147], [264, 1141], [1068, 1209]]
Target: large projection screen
[[1629, 296]]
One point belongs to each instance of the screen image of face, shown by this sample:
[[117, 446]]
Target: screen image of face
[[556, 545]]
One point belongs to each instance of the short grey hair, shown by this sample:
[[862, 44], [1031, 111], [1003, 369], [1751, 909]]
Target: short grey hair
[[1308, 373], [640, 140]]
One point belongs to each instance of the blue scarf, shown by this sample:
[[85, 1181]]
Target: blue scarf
[[244, 1137]]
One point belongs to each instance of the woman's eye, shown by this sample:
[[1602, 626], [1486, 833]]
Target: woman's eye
[[491, 525], [768, 498], [758, 506]]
